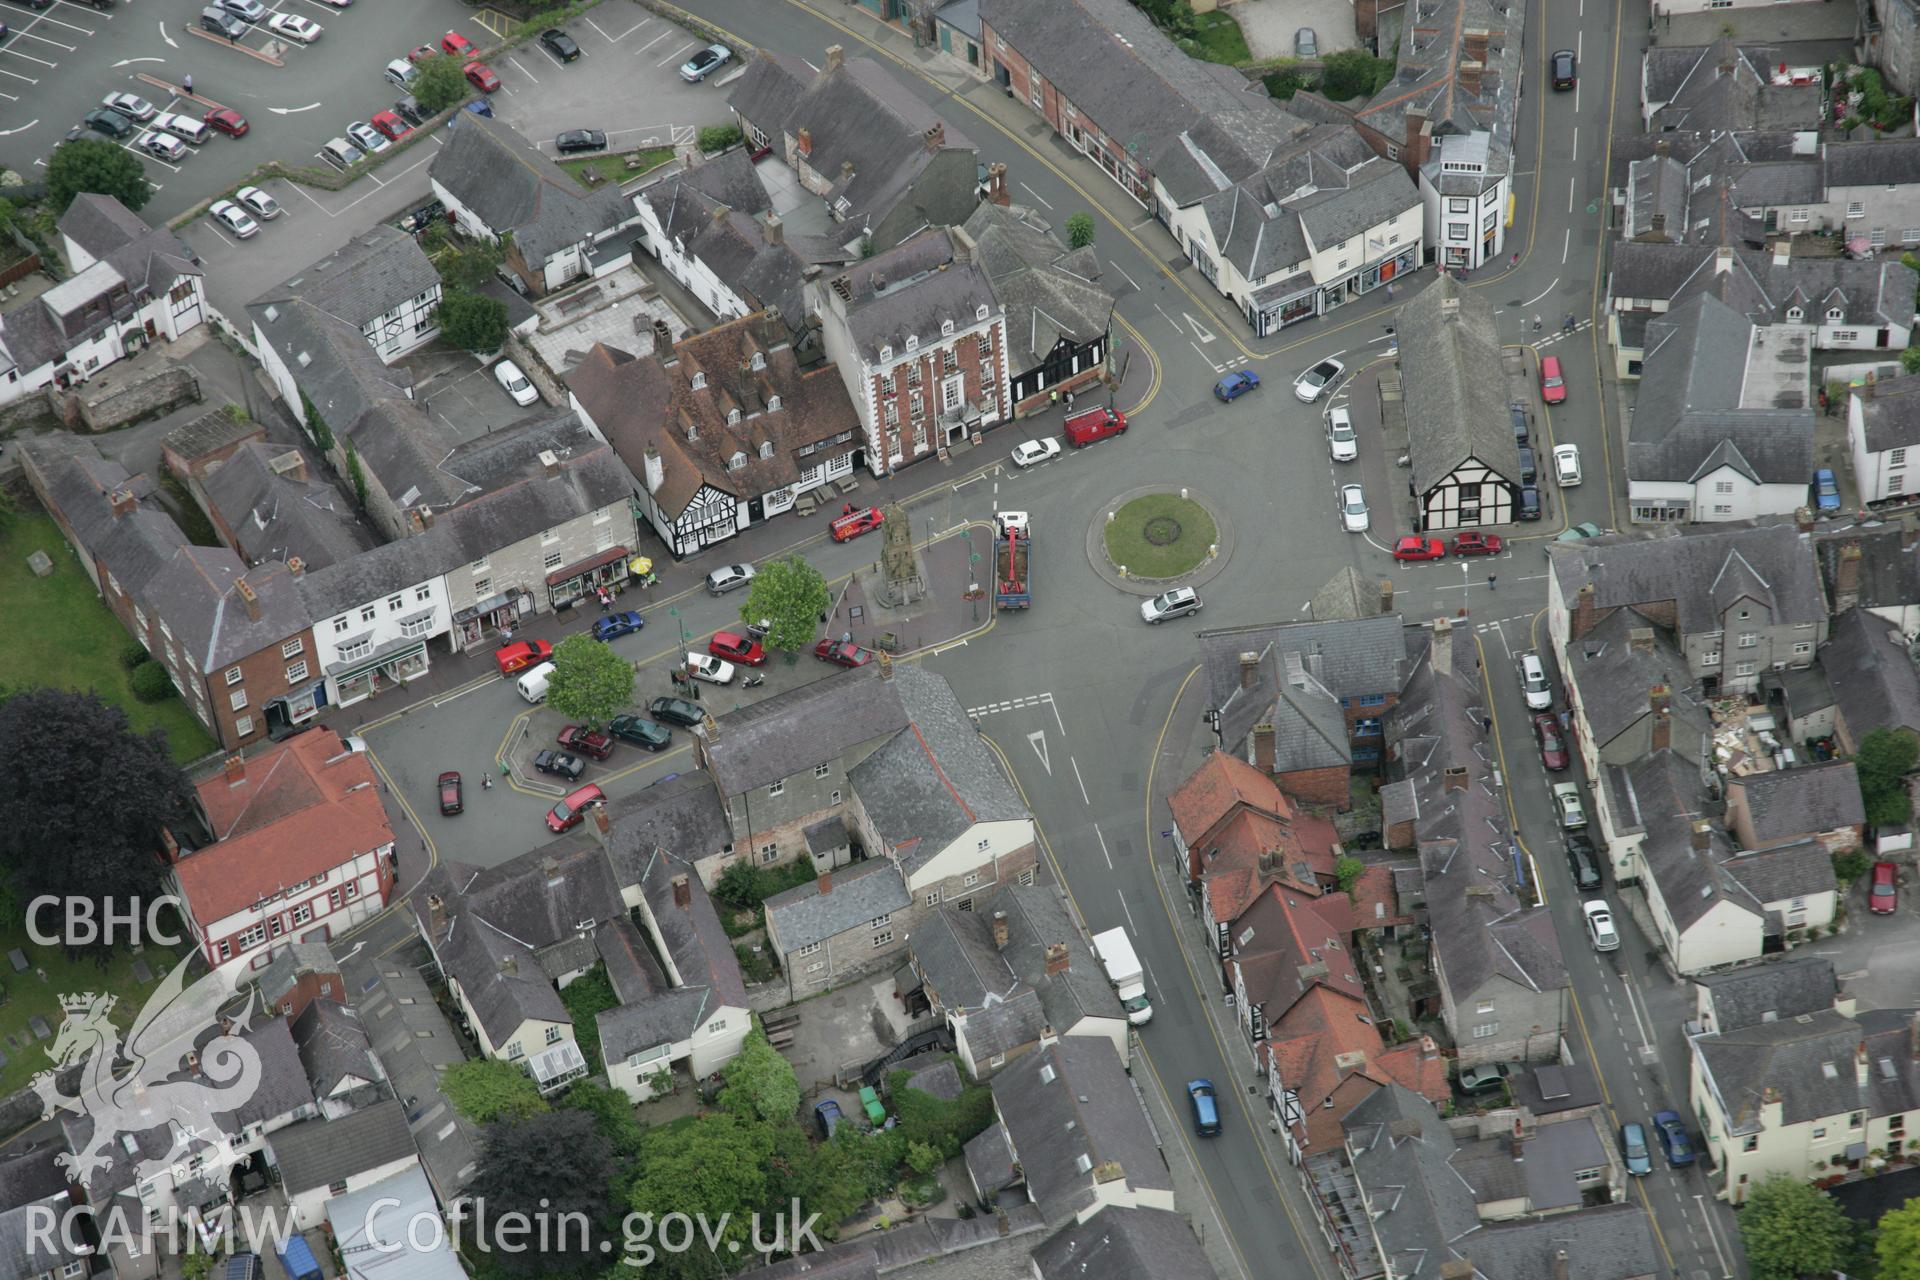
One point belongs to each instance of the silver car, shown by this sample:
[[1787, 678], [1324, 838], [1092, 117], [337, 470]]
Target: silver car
[[1177, 603], [727, 577]]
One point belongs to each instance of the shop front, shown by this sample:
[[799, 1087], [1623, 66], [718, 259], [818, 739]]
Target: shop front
[[391, 665], [574, 582], [497, 613], [1280, 304], [288, 712]]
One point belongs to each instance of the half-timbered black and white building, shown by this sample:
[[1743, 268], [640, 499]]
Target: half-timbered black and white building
[[1460, 442]]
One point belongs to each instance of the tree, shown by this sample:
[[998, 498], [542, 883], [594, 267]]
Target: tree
[[1898, 1246], [1348, 869], [72, 770], [1791, 1228], [472, 321], [1348, 73], [93, 164], [1079, 230], [760, 1084], [743, 886], [791, 595], [357, 475], [441, 83], [1883, 760], [487, 1089], [715, 138], [718, 1164], [611, 1110], [591, 682], [1910, 360], [923, 1159], [151, 683], [555, 1168], [470, 263]]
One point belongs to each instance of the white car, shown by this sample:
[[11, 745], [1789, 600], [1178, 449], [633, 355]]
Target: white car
[[1600, 925], [401, 73], [727, 577], [515, 383], [1012, 520], [130, 105], [163, 145], [258, 203], [1177, 603], [1533, 682], [368, 138], [234, 218], [1031, 453], [1566, 465], [704, 666], [294, 27], [1353, 508], [1342, 444], [1309, 385], [1567, 806], [705, 63]]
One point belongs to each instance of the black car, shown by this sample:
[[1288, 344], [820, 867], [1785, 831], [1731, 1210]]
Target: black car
[[1563, 69], [1584, 861], [676, 711], [1529, 502], [34, 4], [410, 110], [577, 140], [110, 122], [560, 764], [560, 44], [1528, 473], [1519, 415], [641, 732], [424, 216]]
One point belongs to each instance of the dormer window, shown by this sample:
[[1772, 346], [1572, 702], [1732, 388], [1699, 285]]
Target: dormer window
[[886, 353], [913, 342], [1796, 314], [759, 361], [699, 381], [1835, 313], [946, 328], [766, 449], [733, 417], [737, 461], [981, 312], [773, 404]]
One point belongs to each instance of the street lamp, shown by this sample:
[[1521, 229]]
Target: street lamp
[[691, 686]]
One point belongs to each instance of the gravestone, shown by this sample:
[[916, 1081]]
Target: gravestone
[[19, 959], [141, 973], [38, 1025], [41, 563]]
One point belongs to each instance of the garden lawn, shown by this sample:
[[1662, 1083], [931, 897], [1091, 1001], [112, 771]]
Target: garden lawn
[[55, 631], [1127, 541], [26, 996], [1218, 38], [612, 165]]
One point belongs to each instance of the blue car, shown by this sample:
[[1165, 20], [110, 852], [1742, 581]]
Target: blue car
[[1236, 384], [615, 625], [1633, 1145], [1206, 1107], [1673, 1138], [1826, 491], [826, 1117]]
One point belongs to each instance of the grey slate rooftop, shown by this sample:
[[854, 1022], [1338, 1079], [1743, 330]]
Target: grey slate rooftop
[[840, 900], [514, 187], [1119, 1242], [319, 1153], [1790, 803], [1687, 568], [1875, 685], [1457, 405], [1351, 658], [1781, 989]]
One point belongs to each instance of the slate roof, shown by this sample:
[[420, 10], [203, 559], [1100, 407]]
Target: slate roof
[[1869, 292], [209, 433], [299, 959], [415, 1043], [1660, 794], [690, 938], [319, 1153], [1881, 162], [1049, 294], [1540, 1168], [1430, 79], [510, 185], [1346, 595], [910, 289], [1685, 568], [1791, 803], [1782, 873], [198, 593], [1781, 989], [375, 272], [759, 744], [334, 1049], [1351, 657], [1119, 1241], [1612, 1242], [1221, 149], [1888, 575], [1614, 680], [30, 1183], [803, 915], [1399, 1150], [1809, 1063], [278, 504], [1448, 342], [683, 815], [1875, 685], [1545, 1090], [1890, 413]]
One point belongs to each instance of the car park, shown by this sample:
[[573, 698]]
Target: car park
[[850, 526], [161, 145], [1414, 547], [515, 383], [567, 814], [676, 711], [1553, 747], [641, 732], [1633, 1149], [367, 138], [130, 105], [704, 666], [451, 800], [1565, 74], [221, 23], [245, 10], [258, 203], [1534, 683], [559, 764], [401, 73], [1600, 930], [1826, 491], [1584, 862], [294, 27], [455, 45], [185, 128], [1031, 453], [521, 654], [233, 218], [1883, 892], [1090, 425], [728, 577], [615, 625], [1474, 543], [1566, 465], [1353, 508], [587, 742], [1236, 384], [1674, 1139], [390, 124], [734, 647], [1553, 387], [705, 63], [1342, 444], [559, 44], [341, 153], [842, 653], [1567, 806], [1206, 1107], [575, 141], [109, 122], [481, 77], [1310, 385], [1177, 603], [228, 121]]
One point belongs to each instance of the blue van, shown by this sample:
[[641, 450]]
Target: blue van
[[1206, 1108]]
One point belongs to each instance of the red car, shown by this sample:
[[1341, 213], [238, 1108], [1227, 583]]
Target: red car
[[1553, 387], [855, 523], [228, 121], [450, 799], [1415, 547], [456, 44], [390, 123], [567, 814], [1882, 893], [588, 742], [481, 77], [522, 654], [1477, 544], [735, 647], [1553, 748], [842, 653], [421, 53]]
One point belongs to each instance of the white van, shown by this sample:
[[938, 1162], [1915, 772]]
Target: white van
[[533, 685], [1533, 680], [185, 128]]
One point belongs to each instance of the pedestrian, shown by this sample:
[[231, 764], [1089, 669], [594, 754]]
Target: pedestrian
[[1514, 260], [1069, 402], [1486, 724], [1491, 579], [486, 782], [186, 85], [1568, 326], [1053, 397], [1536, 322], [1389, 293]]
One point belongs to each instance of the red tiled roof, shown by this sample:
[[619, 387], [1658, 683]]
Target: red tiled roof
[[1322, 1049], [1212, 791], [302, 808], [1374, 889], [1292, 930]]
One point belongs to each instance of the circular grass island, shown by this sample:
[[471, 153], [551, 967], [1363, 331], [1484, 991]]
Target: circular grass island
[[1159, 535]]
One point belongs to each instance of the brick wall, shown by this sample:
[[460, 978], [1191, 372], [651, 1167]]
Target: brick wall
[[955, 889], [977, 361], [145, 395], [1326, 786]]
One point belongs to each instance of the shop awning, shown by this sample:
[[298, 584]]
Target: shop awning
[[392, 651], [498, 600], [607, 557]]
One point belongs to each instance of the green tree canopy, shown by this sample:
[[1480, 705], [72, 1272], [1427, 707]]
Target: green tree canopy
[[555, 1168], [472, 321], [760, 1084], [1883, 760], [468, 263], [1079, 230], [1898, 1246], [612, 1112], [791, 595], [1791, 1229], [1910, 360], [96, 165], [1352, 73], [715, 1164], [486, 1089], [591, 682], [441, 82]]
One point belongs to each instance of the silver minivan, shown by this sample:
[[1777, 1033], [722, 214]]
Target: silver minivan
[[185, 128], [1533, 680], [342, 153]]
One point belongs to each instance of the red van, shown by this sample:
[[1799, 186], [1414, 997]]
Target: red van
[[1553, 388], [854, 523], [1082, 429]]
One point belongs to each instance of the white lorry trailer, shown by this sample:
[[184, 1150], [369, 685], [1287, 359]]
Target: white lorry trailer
[[1124, 972]]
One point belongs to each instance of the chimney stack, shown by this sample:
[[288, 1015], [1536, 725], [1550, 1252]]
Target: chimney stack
[[1860, 1076], [999, 931], [1518, 1139], [1457, 1269], [935, 137], [1249, 670], [1454, 778], [122, 502], [550, 463], [296, 566], [170, 844], [249, 598], [1468, 75], [719, 214], [846, 171], [1056, 958], [1659, 699], [602, 825], [776, 230], [825, 883], [682, 892], [1702, 835], [1782, 252], [836, 57], [1562, 1269], [1657, 224], [1640, 639], [884, 661], [662, 339], [1584, 610], [1386, 595], [1663, 148], [997, 185], [1263, 739], [436, 914], [653, 468], [803, 141], [1803, 519], [1846, 578], [1441, 651]]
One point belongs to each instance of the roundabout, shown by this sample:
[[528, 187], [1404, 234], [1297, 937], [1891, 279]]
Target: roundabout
[[1148, 539]]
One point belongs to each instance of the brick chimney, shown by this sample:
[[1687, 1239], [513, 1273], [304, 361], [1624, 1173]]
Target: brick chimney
[[1702, 835], [1584, 610], [1457, 1269], [997, 184], [935, 137], [1454, 778], [171, 845], [884, 661], [1562, 1269], [663, 340], [999, 931], [602, 825], [1663, 148], [1517, 1141], [774, 229], [1441, 652], [436, 914], [1474, 44], [1803, 519], [1657, 225], [296, 566], [1640, 639], [1056, 958], [719, 214], [682, 892], [249, 598], [1386, 595], [1467, 76], [846, 171], [836, 58], [825, 883], [1249, 670], [1846, 578], [122, 502], [550, 463], [1660, 732], [1263, 737], [1659, 699], [803, 141]]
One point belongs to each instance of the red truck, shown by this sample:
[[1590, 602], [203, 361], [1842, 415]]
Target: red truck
[[854, 523], [1082, 429], [1013, 588]]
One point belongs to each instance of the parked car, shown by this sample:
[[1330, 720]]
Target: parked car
[[1236, 384], [367, 138], [228, 121], [1826, 491], [1529, 503], [826, 1117], [1482, 1079], [1564, 69], [1674, 1140], [515, 383], [1533, 682], [1584, 862], [185, 128], [1553, 748], [1517, 413], [705, 63], [574, 141], [1567, 806], [226, 25], [1474, 543], [161, 145], [850, 526], [455, 45], [130, 105], [233, 218], [727, 577], [1206, 1107], [451, 801], [258, 203], [294, 27], [842, 653], [1031, 453], [341, 153], [401, 73], [586, 741], [107, 121], [559, 44], [391, 124], [1342, 444], [567, 814], [735, 647], [521, 654], [560, 764], [1883, 892], [1585, 529], [421, 53], [615, 625], [641, 732], [1633, 1147], [1553, 387], [676, 711], [1177, 603], [1529, 472], [410, 110], [245, 10], [1310, 385], [1600, 930], [1353, 508], [704, 666], [481, 77], [1566, 465], [478, 107], [1414, 547]]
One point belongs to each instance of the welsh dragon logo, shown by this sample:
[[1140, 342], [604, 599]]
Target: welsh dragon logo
[[124, 1087]]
